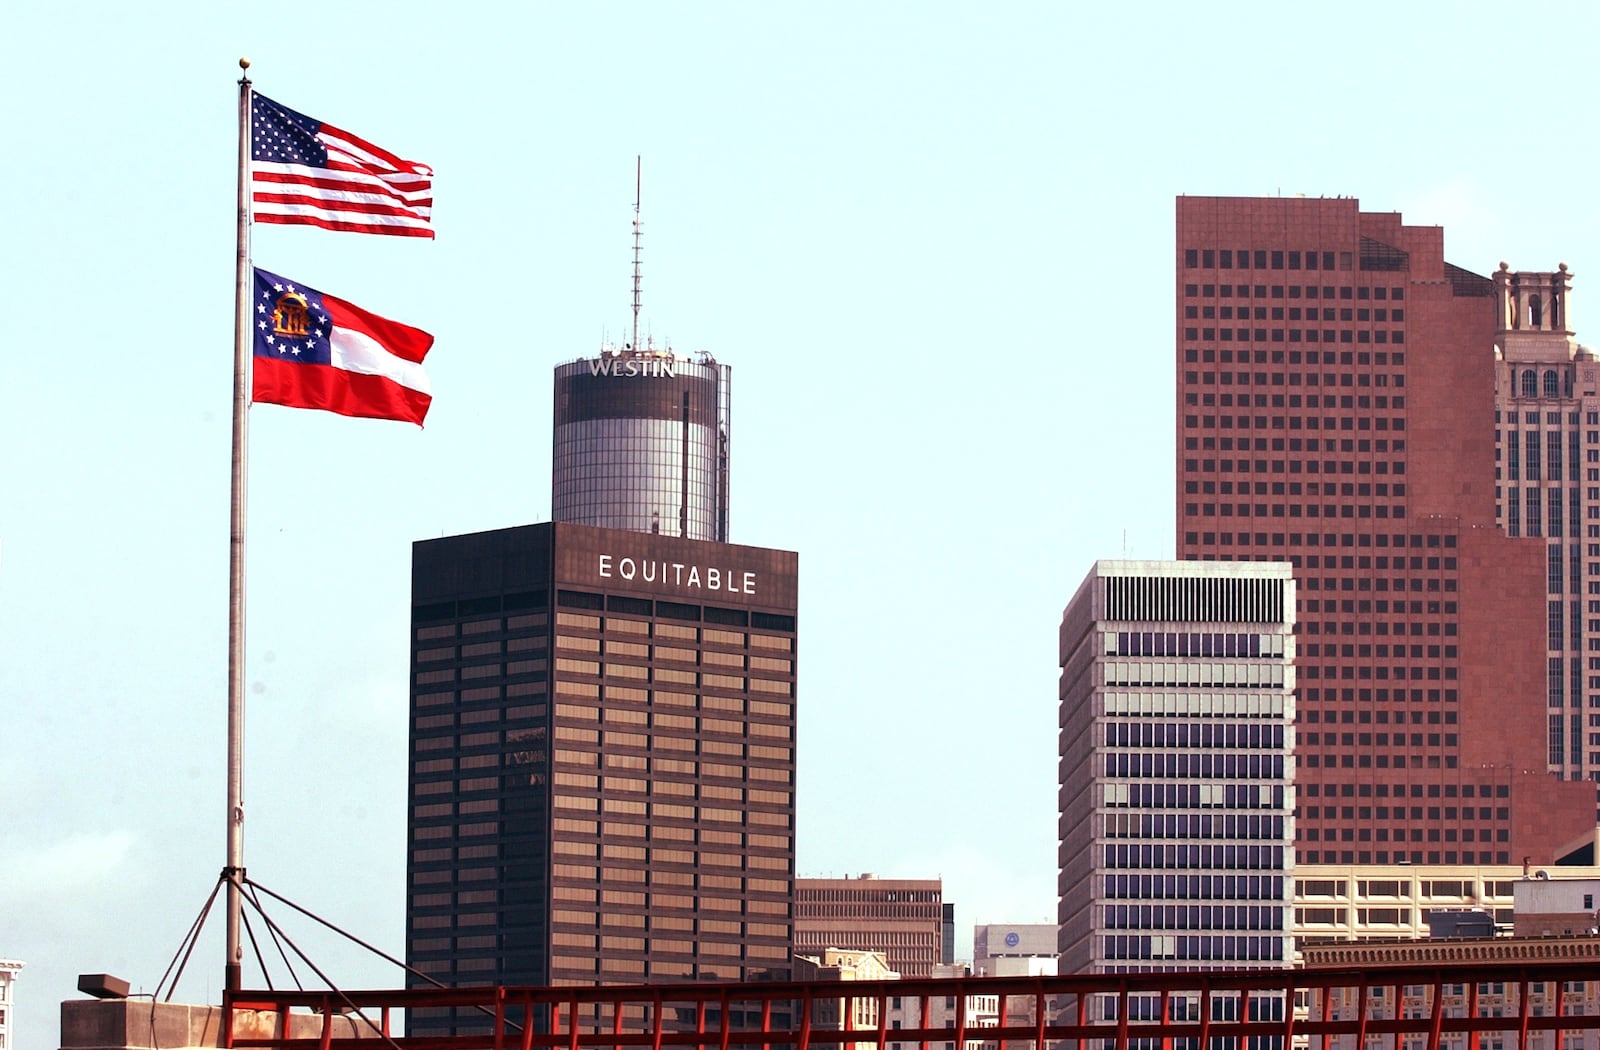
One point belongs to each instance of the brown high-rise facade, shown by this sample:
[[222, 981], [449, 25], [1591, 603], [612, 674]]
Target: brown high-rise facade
[[602, 760], [1335, 409]]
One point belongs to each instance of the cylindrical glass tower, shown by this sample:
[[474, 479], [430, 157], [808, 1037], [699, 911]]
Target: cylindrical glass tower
[[641, 443]]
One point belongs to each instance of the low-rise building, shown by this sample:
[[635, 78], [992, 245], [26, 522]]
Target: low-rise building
[[9, 968], [852, 1014], [1392, 901], [902, 918], [948, 1012]]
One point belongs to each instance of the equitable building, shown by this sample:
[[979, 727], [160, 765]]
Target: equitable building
[[603, 718]]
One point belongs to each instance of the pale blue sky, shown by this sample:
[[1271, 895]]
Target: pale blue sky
[[933, 241]]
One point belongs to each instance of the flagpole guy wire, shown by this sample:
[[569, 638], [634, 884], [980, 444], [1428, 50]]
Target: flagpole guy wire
[[233, 869]]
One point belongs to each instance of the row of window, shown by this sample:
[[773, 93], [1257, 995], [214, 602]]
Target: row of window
[[1433, 563], [1378, 740], [1401, 760], [1366, 888], [1246, 826], [1345, 358], [1346, 401], [1331, 856], [1548, 418], [1253, 675], [1292, 313], [1190, 734], [1374, 256], [1554, 384], [1194, 796], [1170, 704], [1191, 856], [1313, 649], [1192, 643], [533, 624], [1192, 916], [1331, 539], [1190, 887], [1182, 767], [1190, 947], [1381, 489], [1212, 443], [1293, 291], [1403, 833], [1381, 511], [1293, 379], [1529, 460], [1402, 790], [1381, 336], [1312, 715], [1246, 422]]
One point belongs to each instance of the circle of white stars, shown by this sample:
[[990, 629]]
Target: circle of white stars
[[287, 346]]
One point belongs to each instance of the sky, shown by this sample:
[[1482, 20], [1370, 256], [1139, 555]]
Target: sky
[[933, 240]]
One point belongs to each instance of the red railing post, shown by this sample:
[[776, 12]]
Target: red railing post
[[1122, 1015], [1522, 1014], [805, 1019], [1436, 1025], [961, 1017], [1361, 1013], [1472, 1012]]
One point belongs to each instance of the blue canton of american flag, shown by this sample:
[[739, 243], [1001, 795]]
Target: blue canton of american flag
[[291, 322], [307, 172]]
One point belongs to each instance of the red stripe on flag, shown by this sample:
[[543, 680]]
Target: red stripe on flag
[[276, 381], [348, 227], [328, 131], [401, 340], [338, 184]]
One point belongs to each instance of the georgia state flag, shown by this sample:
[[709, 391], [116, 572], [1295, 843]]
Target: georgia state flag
[[317, 351]]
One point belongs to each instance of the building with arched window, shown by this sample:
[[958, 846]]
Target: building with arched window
[[1335, 379], [1547, 486]]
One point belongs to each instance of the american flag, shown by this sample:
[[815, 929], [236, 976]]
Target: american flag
[[311, 173]]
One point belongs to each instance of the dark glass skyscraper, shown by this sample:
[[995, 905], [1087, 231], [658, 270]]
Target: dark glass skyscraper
[[602, 760]]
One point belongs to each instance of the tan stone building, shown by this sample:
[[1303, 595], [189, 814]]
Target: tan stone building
[[1338, 903], [858, 1014]]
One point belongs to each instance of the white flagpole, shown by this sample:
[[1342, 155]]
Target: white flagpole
[[233, 870]]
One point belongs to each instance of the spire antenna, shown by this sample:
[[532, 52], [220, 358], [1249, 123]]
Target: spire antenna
[[638, 169]]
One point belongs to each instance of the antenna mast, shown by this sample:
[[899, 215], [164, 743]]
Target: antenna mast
[[638, 168]]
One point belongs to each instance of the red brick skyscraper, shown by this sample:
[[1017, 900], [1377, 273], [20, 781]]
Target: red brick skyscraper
[[1336, 409]]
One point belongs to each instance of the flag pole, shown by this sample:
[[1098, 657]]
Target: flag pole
[[233, 870]]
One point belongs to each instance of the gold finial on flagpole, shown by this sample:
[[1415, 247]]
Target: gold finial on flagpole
[[244, 63]]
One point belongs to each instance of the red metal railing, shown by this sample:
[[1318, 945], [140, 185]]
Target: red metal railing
[[1528, 1006]]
